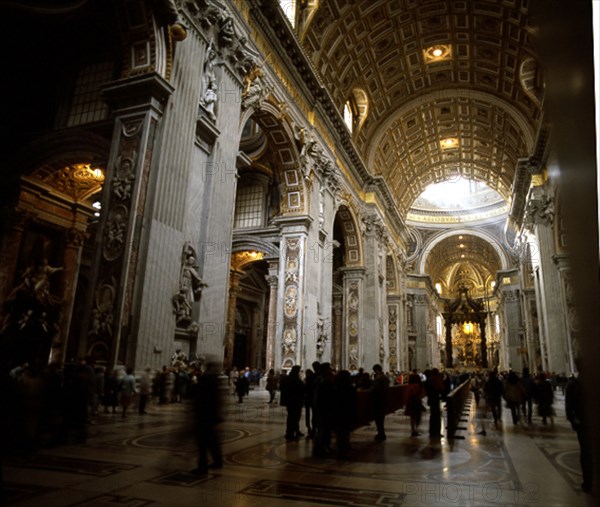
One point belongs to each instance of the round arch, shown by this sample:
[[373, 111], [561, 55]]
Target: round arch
[[352, 236], [280, 139], [493, 242]]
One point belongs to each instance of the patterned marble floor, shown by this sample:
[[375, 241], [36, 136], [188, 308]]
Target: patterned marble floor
[[146, 460]]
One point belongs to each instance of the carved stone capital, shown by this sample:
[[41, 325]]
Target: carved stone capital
[[540, 210], [212, 15], [75, 237]]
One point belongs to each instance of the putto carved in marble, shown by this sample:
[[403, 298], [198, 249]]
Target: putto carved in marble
[[123, 181]]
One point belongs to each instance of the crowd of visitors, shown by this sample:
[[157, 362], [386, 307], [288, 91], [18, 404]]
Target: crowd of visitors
[[49, 406]]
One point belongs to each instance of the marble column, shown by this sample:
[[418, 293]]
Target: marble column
[[448, 327], [484, 354], [273, 282], [421, 320], [373, 345], [138, 104], [511, 309], [234, 289], [291, 297], [353, 342], [337, 332], [553, 311], [572, 317], [71, 261], [16, 223], [394, 305]]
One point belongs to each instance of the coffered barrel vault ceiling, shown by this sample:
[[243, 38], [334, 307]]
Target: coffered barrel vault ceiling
[[484, 91], [462, 259]]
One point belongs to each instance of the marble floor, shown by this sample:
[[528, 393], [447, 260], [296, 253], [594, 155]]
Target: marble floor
[[147, 460]]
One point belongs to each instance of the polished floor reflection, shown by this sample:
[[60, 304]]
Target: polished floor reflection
[[147, 460]]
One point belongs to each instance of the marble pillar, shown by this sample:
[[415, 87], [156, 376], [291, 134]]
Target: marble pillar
[[234, 290], [337, 331], [291, 297], [138, 105], [421, 321], [16, 224], [353, 355], [511, 309], [72, 256], [393, 327], [553, 310], [273, 282], [373, 345]]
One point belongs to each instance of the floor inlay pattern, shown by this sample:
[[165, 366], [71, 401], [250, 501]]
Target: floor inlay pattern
[[18, 492], [181, 478], [108, 500], [147, 460], [78, 466], [565, 461], [323, 494]]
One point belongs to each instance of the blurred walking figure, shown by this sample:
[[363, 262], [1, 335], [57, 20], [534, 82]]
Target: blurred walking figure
[[271, 386], [514, 394], [128, 390], [414, 405], [207, 412], [242, 387], [145, 390]]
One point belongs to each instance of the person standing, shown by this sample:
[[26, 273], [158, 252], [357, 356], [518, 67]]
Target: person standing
[[379, 389], [292, 398], [323, 408], [414, 405], [309, 398], [207, 413], [345, 412], [434, 387], [574, 411], [545, 398], [529, 385], [242, 387]]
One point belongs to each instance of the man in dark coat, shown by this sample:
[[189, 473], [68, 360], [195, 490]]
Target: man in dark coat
[[292, 397], [574, 412], [207, 411], [379, 388]]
